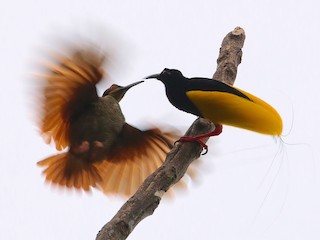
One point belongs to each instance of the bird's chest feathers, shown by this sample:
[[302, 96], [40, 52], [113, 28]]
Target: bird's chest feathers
[[102, 121], [108, 114]]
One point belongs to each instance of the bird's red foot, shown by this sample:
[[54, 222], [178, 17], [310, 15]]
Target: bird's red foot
[[215, 132], [194, 139]]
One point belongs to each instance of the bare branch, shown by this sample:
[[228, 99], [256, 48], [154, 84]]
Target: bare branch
[[230, 56], [147, 198]]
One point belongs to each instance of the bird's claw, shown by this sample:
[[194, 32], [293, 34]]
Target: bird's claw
[[205, 150], [215, 132], [195, 139]]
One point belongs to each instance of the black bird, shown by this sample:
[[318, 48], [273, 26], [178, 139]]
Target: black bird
[[220, 103]]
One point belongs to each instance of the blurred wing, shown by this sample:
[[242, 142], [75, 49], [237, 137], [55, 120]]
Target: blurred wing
[[230, 109], [134, 156], [69, 86]]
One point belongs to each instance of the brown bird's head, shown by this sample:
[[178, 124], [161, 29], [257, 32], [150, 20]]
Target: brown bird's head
[[117, 92]]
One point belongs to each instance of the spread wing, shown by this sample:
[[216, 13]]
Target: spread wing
[[68, 86], [134, 156]]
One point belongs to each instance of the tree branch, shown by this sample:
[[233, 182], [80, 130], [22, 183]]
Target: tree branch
[[147, 198]]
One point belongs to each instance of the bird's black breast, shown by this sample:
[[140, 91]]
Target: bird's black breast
[[176, 93]]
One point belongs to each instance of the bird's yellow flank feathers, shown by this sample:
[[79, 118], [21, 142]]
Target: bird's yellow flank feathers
[[229, 109]]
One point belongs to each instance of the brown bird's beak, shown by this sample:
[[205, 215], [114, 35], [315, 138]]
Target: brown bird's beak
[[118, 92], [153, 76]]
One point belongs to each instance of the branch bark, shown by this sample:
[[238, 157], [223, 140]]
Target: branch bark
[[148, 196]]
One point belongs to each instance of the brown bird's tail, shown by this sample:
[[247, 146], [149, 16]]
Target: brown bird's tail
[[68, 170]]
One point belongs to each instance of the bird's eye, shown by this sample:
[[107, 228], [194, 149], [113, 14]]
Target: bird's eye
[[166, 71]]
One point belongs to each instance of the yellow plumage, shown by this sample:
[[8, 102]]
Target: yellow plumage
[[229, 109]]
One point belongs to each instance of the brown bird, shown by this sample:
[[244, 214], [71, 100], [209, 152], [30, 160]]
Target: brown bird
[[103, 151]]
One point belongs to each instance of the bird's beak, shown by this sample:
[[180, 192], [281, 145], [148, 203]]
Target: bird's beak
[[126, 88], [118, 91], [153, 76]]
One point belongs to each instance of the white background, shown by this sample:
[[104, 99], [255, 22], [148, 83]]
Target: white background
[[239, 193]]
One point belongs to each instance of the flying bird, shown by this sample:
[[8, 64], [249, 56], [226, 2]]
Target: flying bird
[[101, 149], [220, 103]]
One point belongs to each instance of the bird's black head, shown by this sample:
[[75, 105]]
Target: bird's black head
[[167, 75], [176, 88]]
